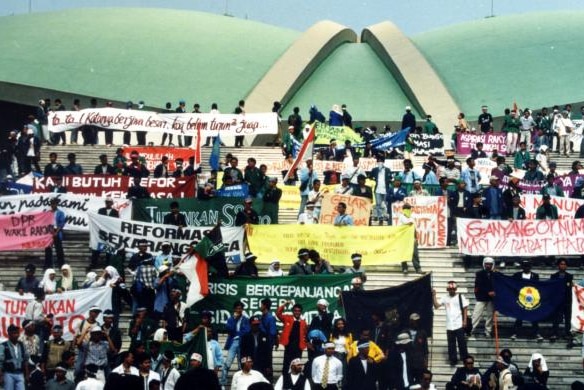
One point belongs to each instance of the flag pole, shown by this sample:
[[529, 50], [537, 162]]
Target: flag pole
[[496, 323]]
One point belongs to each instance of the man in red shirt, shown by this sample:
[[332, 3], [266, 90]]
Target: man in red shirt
[[293, 334]]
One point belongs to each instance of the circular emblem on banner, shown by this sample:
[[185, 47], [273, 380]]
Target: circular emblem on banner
[[529, 298]]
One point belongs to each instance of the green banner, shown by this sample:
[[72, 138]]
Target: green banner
[[324, 133], [305, 290], [198, 212], [183, 352]]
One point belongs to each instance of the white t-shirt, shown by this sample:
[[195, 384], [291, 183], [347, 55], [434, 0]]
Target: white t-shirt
[[453, 310]]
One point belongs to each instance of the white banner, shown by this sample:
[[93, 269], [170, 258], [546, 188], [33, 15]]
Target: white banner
[[75, 207], [560, 237], [566, 206], [430, 217], [577, 320], [68, 308], [138, 120], [109, 234]]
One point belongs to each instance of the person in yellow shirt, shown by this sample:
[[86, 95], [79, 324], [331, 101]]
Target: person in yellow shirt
[[375, 352]]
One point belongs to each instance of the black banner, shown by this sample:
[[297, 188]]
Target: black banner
[[425, 144]]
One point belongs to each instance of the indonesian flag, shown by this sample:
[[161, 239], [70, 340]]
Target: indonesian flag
[[306, 149], [195, 268]]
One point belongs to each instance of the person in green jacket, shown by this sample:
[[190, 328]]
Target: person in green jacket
[[511, 128], [547, 210], [429, 126], [522, 157]]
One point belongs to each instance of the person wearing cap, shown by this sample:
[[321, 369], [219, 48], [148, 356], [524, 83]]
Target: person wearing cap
[[247, 376], [96, 350], [526, 274], [161, 169], [248, 267], [356, 259], [82, 334], [408, 119], [547, 210], [327, 370], [136, 168], [294, 332], [357, 284], [256, 344], [237, 325], [271, 197], [542, 159], [13, 360], [484, 293], [59, 381], [301, 267], [294, 378], [323, 320], [247, 215], [399, 367], [53, 350], [104, 168], [28, 283], [175, 217], [382, 176], [308, 217], [456, 306]]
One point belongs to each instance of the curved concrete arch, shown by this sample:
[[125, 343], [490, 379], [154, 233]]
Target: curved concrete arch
[[418, 79], [295, 66]]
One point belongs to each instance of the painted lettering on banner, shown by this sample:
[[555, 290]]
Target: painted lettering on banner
[[357, 207], [430, 217]]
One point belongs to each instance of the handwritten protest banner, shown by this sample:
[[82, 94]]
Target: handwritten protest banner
[[425, 144], [152, 155], [485, 167], [115, 186], [466, 142], [139, 120], [305, 290], [110, 234], [566, 206], [430, 217], [75, 207], [69, 308], [31, 230], [324, 133], [559, 237], [357, 207], [390, 245]]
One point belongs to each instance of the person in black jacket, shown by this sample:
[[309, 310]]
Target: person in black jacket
[[484, 293], [362, 371], [466, 377], [53, 168], [175, 217], [104, 168], [136, 191], [161, 170], [248, 268], [565, 310], [109, 211], [257, 345], [323, 320], [459, 201], [396, 368], [526, 274]]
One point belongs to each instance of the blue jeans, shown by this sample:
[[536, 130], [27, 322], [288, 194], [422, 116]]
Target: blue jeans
[[231, 354], [378, 209], [13, 381], [303, 200]]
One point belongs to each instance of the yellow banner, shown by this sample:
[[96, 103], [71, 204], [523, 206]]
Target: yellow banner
[[291, 195], [378, 245]]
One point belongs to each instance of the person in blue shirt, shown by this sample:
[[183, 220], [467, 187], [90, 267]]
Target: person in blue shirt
[[237, 325], [493, 196], [343, 219], [58, 225], [471, 176], [395, 194]]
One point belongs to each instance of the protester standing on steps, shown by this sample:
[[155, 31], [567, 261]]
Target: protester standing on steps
[[58, 225], [456, 306], [484, 293], [405, 218]]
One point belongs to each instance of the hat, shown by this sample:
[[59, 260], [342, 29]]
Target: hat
[[323, 302], [345, 177], [162, 268], [95, 308], [356, 257], [134, 154], [543, 148], [140, 309], [328, 345], [96, 329], [165, 243], [356, 280], [403, 338], [197, 356], [108, 314], [452, 284], [296, 362], [493, 178], [310, 203], [248, 199], [250, 256], [29, 132], [246, 359], [255, 320], [414, 316], [273, 179], [302, 252], [418, 181], [363, 345], [27, 323], [408, 108], [30, 268]]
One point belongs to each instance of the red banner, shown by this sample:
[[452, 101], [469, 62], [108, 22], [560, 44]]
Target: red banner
[[152, 155], [33, 230], [117, 186]]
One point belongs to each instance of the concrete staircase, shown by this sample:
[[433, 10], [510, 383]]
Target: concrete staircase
[[445, 264]]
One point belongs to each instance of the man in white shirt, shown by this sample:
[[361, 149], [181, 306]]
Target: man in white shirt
[[169, 375], [456, 306], [292, 378], [353, 172], [526, 127], [145, 373], [127, 367], [308, 217], [327, 370], [90, 383], [345, 187], [243, 378]]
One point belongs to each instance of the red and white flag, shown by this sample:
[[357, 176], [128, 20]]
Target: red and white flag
[[305, 150]]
